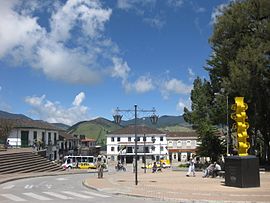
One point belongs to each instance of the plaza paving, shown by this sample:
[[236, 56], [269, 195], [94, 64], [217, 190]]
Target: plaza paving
[[167, 185], [175, 186]]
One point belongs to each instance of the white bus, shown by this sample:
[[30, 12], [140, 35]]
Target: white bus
[[84, 162]]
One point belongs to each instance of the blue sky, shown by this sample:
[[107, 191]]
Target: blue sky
[[74, 60]]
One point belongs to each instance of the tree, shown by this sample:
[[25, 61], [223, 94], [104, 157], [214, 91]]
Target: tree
[[201, 117], [6, 125], [211, 144], [240, 63]]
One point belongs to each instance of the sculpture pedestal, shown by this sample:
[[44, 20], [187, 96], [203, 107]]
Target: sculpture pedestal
[[242, 171]]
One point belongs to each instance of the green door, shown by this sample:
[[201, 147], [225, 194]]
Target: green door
[[24, 138]]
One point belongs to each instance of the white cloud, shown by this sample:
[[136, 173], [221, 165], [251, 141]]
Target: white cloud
[[143, 84], [53, 112], [175, 3], [88, 13], [124, 4], [155, 22], [79, 99], [196, 7], [134, 4], [197, 25], [72, 48], [191, 74], [182, 104], [17, 32], [120, 69], [217, 11], [174, 86]]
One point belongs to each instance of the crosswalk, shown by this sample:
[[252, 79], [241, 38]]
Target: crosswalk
[[48, 195]]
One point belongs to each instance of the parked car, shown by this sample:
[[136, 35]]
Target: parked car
[[85, 165]]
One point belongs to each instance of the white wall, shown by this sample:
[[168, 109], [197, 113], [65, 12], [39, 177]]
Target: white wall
[[158, 144]]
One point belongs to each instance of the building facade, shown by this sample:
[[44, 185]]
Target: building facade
[[151, 144], [181, 145], [68, 144], [37, 134]]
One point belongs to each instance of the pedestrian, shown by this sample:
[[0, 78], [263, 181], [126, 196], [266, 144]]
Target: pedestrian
[[100, 167], [209, 170], [217, 170], [191, 168], [154, 168], [7, 144]]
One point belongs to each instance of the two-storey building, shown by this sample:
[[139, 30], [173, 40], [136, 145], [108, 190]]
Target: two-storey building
[[181, 145], [151, 144]]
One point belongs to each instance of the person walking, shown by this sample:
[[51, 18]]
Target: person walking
[[154, 168], [191, 168], [100, 167]]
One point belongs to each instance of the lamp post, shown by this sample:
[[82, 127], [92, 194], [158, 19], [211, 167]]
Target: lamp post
[[144, 139], [153, 140], [117, 119], [159, 152], [228, 138]]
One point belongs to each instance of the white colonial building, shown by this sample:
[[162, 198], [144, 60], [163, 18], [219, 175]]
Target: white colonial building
[[151, 144], [34, 133]]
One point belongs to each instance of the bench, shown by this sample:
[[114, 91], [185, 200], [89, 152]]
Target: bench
[[221, 174]]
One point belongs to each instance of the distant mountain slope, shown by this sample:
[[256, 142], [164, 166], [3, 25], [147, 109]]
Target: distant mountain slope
[[163, 122], [97, 129], [61, 126], [4, 114]]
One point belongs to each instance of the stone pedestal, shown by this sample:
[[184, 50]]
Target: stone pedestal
[[242, 171]]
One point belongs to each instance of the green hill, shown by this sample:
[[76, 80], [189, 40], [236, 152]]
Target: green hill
[[163, 122], [97, 129]]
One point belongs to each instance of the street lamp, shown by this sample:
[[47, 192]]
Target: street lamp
[[228, 138], [144, 139], [117, 119]]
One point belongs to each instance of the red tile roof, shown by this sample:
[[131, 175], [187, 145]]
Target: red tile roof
[[27, 123], [182, 134], [67, 136], [88, 140]]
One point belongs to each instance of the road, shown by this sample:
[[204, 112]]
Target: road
[[60, 189]]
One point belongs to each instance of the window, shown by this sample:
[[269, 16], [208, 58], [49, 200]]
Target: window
[[118, 139], [112, 139], [55, 138], [161, 139], [129, 139], [112, 149], [43, 137], [49, 137], [153, 139], [129, 150], [35, 136], [188, 143], [170, 143], [179, 143], [161, 148], [118, 148]]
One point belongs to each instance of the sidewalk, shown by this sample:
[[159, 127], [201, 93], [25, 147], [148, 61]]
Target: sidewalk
[[175, 186]]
